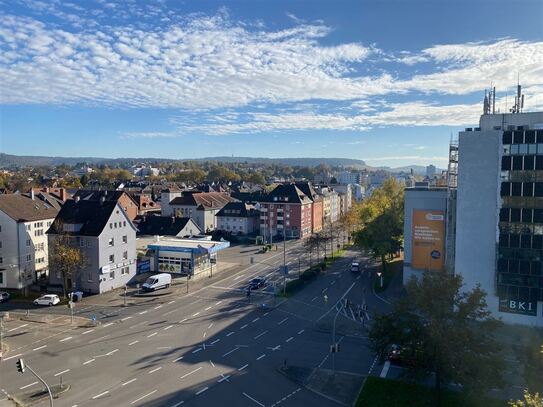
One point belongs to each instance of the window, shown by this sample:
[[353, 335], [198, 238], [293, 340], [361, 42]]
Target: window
[[112, 275], [124, 223], [517, 162], [88, 243], [506, 163], [111, 225], [516, 188], [529, 162], [111, 242], [125, 270], [28, 242], [81, 242], [539, 162], [28, 257], [539, 189], [28, 227], [89, 277], [125, 255], [125, 239], [527, 215], [527, 189], [38, 232], [111, 258], [1, 260]]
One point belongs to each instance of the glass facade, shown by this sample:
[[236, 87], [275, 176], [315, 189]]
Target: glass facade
[[520, 247]]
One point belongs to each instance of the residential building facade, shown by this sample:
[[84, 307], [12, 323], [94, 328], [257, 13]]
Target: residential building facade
[[105, 235], [201, 207], [238, 218], [23, 242], [316, 208], [127, 203], [285, 212]]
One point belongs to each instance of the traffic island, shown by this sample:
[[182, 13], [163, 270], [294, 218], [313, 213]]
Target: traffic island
[[38, 396]]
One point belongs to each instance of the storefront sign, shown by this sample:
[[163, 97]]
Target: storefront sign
[[514, 306]]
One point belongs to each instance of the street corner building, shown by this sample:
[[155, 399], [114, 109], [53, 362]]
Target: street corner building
[[104, 233], [487, 224]]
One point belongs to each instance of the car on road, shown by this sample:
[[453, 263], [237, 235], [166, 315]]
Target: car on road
[[256, 283], [4, 296], [47, 299], [355, 267], [158, 281]]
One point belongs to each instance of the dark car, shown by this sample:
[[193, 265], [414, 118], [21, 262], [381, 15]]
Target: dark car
[[398, 357], [4, 296], [256, 283]]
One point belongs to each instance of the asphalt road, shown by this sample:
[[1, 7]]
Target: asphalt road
[[209, 347]]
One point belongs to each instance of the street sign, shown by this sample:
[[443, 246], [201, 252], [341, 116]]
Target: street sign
[[325, 298], [70, 304]]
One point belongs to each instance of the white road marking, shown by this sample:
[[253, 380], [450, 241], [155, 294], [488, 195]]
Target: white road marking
[[333, 282], [275, 348], [14, 356], [283, 320], [126, 318], [289, 339], [252, 399], [228, 353], [156, 369], [256, 319], [314, 298], [196, 350], [201, 391], [153, 334], [59, 373], [178, 359], [189, 373], [130, 381], [101, 394], [266, 313], [109, 324], [183, 320], [66, 339], [171, 302], [260, 334], [143, 312], [384, 372], [133, 342], [158, 307], [326, 289], [168, 327], [238, 277], [261, 356], [17, 327], [243, 367], [244, 326], [89, 361], [87, 332], [215, 341], [224, 378], [178, 404], [230, 333], [28, 385], [100, 338], [212, 364], [41, 347], [210, 325], [142, 397], [208, 308], [195, 315], [112, 352], [301, 332]]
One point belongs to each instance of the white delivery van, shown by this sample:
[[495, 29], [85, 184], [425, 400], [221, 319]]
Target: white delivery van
[[355, 267], [156, 282]]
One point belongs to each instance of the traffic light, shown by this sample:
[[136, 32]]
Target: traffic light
[[21, 365], [337, 347]]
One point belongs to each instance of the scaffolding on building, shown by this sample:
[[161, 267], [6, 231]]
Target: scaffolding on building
[[452, 183]]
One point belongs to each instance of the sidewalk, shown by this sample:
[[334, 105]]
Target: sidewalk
[[50, 319]]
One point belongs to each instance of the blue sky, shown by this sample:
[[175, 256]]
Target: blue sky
[[384, 81]]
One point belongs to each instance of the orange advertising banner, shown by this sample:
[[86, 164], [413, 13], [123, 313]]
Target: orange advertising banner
[[428, 240]]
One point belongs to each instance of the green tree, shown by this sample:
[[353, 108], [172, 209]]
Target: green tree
[[84, 180], [444, 330], [66, 258], [530, 400], [381, 219], [256, 178], [531, 357]]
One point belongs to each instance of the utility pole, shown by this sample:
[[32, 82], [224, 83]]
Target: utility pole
[[335, 347], [284, 262], [1, 335]]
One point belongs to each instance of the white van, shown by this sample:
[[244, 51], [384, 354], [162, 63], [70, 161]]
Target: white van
[[158, 281]]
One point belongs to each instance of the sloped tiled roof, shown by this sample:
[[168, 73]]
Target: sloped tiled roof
[[238, 210], [207, 200], [92, 215], [23, 208], [163, 225], [286, 193]]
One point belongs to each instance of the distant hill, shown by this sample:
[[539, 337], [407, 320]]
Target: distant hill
[[9, 160]]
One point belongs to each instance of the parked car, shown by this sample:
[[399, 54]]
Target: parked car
[[355, 267], [47, 299], [4, 296], [256, 283], [158, 281]]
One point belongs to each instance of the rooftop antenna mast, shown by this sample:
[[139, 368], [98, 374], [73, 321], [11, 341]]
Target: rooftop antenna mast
[[489, 104], [519, 99]]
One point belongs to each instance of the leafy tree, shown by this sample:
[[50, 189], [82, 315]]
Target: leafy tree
[[84, 180], [530, 400], [256, 178], [444, 330], [532, 360], [66, 258], [381, 218]]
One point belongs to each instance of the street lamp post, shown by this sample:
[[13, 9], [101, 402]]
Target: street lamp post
[[23, 366], [334, 347], [380, 275]]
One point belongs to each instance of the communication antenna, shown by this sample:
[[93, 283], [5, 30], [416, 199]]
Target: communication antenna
[[519, 99]]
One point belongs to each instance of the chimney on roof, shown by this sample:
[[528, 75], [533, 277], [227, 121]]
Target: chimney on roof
[[173, 220], [32, 193], [76, 198]]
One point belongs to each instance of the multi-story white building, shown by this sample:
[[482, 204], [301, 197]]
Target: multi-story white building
[[346, 194], [349, 177], [238, 218], [499, 214], [166, 196], [24, 220]]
